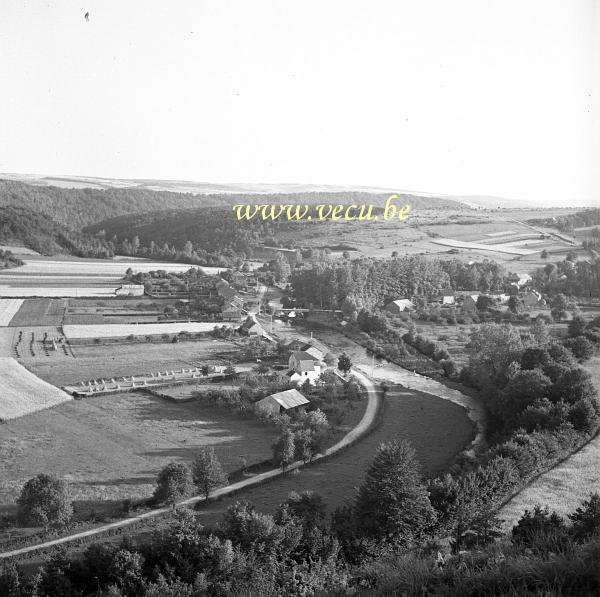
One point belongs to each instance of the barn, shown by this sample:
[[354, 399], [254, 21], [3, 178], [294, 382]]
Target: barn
[[282, 402]]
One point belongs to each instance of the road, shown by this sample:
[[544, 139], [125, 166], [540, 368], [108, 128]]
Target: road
[[368, 418]]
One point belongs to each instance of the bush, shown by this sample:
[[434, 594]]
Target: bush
[[45, 501], [539, 530]]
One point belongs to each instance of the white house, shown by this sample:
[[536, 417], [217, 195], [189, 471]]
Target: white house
[[282, 402], [130, 290], [399, 305], [303, 366]]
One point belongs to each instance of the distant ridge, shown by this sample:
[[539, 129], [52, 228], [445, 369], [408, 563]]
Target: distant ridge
[[208, 188]]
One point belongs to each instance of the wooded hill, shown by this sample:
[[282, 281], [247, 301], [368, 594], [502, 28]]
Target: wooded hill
[[22, 226], [78, 208]]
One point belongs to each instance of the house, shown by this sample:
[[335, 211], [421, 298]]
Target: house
[[469, 303], [231, 312], [519, 279], [251, 327], [501, 297], [303, 366], [130, 290], [399, 305], [295, 345], [282, 402], [531, 299], [313, 351], [239, 279]]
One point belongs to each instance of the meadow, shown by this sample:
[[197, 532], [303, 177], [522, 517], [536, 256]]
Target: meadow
[[112, 447], [95, 361], [23, 393], [437, 429], [116, 330], [8, 309]]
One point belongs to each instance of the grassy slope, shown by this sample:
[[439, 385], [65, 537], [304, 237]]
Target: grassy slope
[[565, 486]]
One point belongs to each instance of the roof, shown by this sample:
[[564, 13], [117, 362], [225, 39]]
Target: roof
[[313, 351], [289, 398], [302, 355], [249, 324], [401, 303]]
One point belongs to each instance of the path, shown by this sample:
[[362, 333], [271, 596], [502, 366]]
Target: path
[[364, 424]]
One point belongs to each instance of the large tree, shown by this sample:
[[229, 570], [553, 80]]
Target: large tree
[[392, 503], [174, 483], [45, 501], [207, 471]]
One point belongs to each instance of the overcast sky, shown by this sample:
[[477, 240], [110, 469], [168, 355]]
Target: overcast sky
[[458, 97]]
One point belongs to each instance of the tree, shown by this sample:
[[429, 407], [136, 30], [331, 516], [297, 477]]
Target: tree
[[281, 269], [544, 254], [45, 501], [535, 528], [558, 308], [230, 370], [329, 359], [581, 348], [263, 368], [586, 519], [393, 502], [344, 363], [307, 505], [174, 483], [492, 348], [284, 449], [205, 370], [207, 471], [576, 326], [514, 304]]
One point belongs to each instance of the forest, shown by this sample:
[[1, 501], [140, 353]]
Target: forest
[[22, 226], [366, 283], [567, 223]]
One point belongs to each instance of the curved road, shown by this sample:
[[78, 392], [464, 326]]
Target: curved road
[[364, 424]]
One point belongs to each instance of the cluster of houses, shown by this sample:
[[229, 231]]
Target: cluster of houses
[[235, 295], [466, 300]]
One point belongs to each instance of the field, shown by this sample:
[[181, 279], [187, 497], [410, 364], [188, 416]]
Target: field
[[116, 330], [23, 393], [100, 361], [77, 277], [40, 311], [565, 486], [112, 447], [437, 429], [516, 244], [8, 309], [17, 250]]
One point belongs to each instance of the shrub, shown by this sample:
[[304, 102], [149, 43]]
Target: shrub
[[45, 501]]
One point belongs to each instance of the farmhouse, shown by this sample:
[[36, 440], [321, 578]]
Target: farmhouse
[[303, 366], [130, 290], [295, 345], [313, 351], [282, 402], [251, 327], [399, 305], [231, 312]]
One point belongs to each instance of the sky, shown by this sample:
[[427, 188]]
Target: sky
[[468, 97]]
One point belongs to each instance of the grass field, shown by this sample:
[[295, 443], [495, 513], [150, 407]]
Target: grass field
[[97, 361], [565, 486], [67, 276], [116, 330], [112, 447], [437, 429], [23, 393], [8, 309], [40, 311]]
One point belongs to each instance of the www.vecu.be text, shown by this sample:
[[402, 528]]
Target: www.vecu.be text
[[326, 211]]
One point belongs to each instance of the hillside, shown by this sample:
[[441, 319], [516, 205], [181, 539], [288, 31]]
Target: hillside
[[80, 207], [32, 229]]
